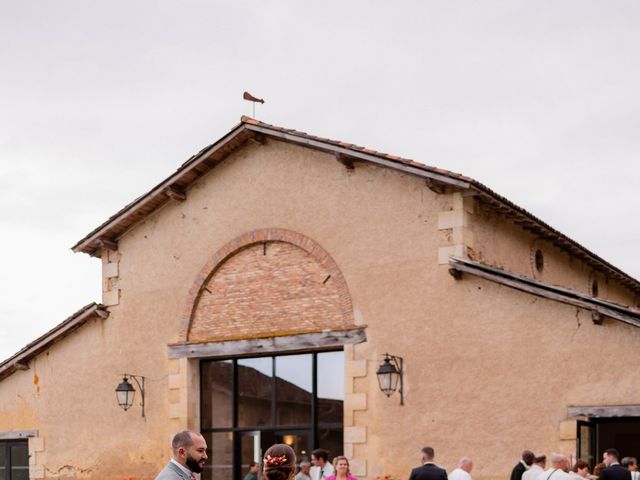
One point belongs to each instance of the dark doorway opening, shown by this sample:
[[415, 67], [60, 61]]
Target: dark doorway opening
[[598, 434]]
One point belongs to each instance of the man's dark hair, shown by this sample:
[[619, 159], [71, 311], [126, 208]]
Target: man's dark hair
[[612, 452], [428, 451], [528, 456], [252, 463], [182, 439], [321, 453]]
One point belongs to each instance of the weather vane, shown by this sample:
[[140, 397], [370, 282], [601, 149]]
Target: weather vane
[[254, 100]]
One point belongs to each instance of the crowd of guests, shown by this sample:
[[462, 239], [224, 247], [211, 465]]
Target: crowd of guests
[[534, 466], [279, 463]]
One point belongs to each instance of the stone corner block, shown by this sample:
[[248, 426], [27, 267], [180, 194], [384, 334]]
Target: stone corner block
[[177, 410], [568, 430], [110, 270], [36, 444], [36, 472], [355, 434], [356, 368], [176, 380], [355, 401], [358, 467], [451, 219], [110, 298]]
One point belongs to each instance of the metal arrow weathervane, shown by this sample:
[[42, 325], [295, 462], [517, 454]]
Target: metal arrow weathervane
[[254, 100]]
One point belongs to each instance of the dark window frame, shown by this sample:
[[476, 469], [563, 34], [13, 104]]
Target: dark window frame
[[6, 445], [313, 427]]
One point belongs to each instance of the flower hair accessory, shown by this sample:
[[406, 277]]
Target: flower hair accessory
[[270, 461]]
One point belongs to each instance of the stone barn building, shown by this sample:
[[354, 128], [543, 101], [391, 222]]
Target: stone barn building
[[254, 293]]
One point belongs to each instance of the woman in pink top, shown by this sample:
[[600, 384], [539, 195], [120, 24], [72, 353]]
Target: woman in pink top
[[341, 465]]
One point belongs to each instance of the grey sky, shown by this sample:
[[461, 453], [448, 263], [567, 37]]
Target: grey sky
[[100, 100]]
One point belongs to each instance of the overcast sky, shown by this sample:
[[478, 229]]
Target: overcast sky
[[99, 101]]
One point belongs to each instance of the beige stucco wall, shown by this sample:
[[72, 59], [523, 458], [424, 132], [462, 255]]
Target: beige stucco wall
[[489, 371]]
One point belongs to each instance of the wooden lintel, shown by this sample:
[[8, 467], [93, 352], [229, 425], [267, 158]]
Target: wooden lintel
[[21, 366], [289, 343], [175, 193], [107, 243], [604, 411], [345, 160], [435, 186]]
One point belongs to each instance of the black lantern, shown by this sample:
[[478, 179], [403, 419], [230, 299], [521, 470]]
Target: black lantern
[[125, 392], [390, 374]]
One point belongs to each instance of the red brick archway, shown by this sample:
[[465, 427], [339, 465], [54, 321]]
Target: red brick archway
[[266, 283]]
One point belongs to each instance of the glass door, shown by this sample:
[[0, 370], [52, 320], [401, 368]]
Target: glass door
[[250, 450], [586, 447]]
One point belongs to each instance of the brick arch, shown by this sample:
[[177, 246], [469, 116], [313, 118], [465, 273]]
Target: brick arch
[[265, 283]]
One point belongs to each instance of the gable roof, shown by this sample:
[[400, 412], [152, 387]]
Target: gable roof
[[251, 130], [19, 361]]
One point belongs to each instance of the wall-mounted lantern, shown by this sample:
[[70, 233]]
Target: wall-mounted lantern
[[125, 392], [390, 375]]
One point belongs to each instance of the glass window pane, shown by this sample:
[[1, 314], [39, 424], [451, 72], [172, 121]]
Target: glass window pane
[[331, 440], [293, 389], [254, 391], [330, 387], [217, 399], [20, 455], [20, 473], [220, 452]]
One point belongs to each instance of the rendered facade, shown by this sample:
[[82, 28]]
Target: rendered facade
[[258, 287]]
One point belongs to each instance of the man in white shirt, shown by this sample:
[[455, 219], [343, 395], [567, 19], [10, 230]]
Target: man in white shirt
[[536, 468], [463, 471], [559, 468], [321, 466]]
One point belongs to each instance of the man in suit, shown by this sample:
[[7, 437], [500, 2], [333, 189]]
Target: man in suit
[[428, 470], [523, 465], [614, 470], [189, 455]]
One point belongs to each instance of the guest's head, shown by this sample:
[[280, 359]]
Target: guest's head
[[279, 462], [341, 464], [305, 467], [465, 464], [427, 454], [631, 463], [581, 468], [319, 457], [560, 461], [610, 455], [597, 470], [527, 457], [540, 459]]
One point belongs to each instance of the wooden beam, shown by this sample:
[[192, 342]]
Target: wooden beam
[[21, 366], [18, 434], [288, 343], [545, 290], [175, 193], [379, 160], [107, 243], [604, 411]]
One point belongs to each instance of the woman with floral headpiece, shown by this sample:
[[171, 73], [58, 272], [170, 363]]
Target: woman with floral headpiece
[[279, 462]]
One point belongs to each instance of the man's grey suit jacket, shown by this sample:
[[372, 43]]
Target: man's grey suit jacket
[[172, 472]]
